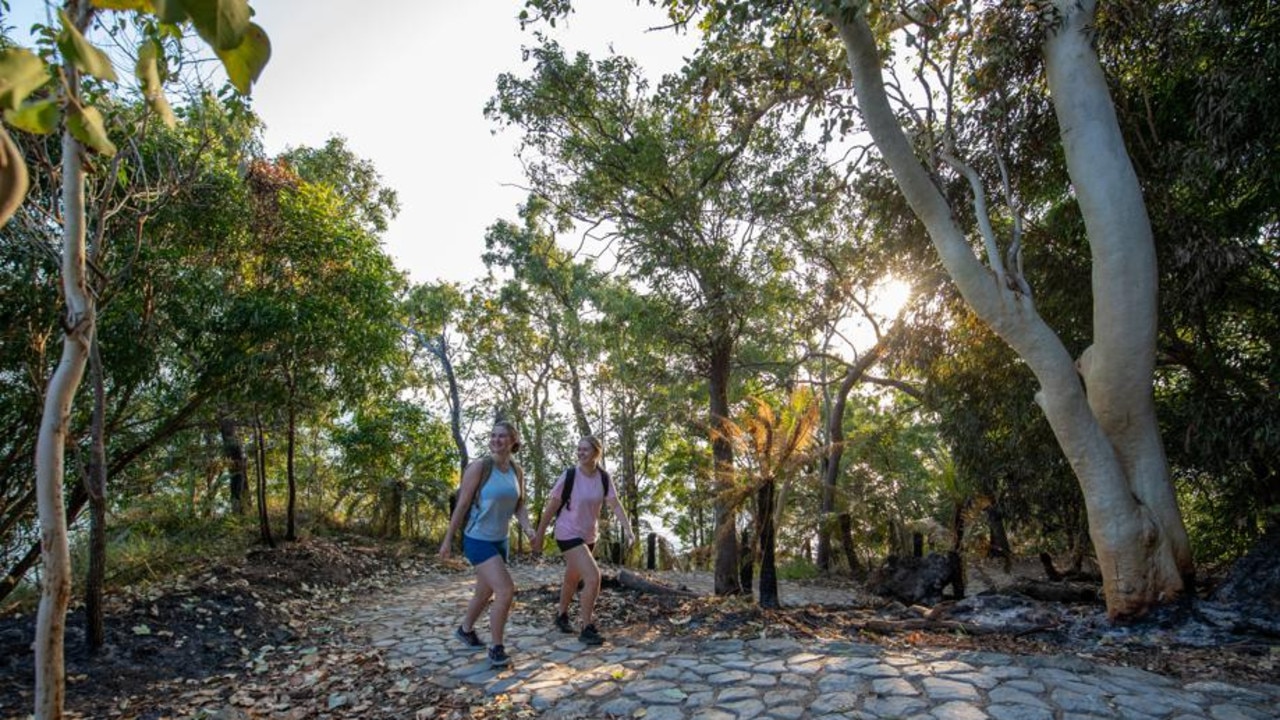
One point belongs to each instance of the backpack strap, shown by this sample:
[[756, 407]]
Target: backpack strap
[[567, 490], [486, 469]]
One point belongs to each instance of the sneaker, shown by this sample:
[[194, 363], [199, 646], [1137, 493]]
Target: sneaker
[[468, 637], [498, 657], [590, 635], [562, 623]]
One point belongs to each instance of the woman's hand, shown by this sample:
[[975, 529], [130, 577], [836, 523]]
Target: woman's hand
[[445, 549]]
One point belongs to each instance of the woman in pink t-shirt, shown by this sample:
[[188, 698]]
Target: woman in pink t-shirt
[[575, 534]]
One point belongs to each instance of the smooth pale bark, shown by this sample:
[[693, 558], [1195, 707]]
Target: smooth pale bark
[[51, 443], [1105, 425]]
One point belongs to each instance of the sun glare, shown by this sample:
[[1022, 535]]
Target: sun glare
[[890, 295], [887, 297]]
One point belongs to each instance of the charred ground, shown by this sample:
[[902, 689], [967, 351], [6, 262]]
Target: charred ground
[[203, 639]]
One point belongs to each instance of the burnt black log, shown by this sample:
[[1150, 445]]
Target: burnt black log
[[917, 581]]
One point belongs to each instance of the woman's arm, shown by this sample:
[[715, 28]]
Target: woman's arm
[[466, 493], [548, 515], [615, 505]]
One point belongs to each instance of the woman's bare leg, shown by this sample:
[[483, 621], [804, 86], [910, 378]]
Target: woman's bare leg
[[492, 573], [581, 564]]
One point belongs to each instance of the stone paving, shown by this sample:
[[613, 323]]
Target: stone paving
[[641, 673]]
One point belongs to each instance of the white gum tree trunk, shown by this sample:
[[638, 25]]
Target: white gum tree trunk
[[51, 443], [1101, 409]]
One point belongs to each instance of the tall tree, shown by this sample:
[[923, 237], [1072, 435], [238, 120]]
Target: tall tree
[[1102, 408], [702, 202], [776, 443], [244, 50]]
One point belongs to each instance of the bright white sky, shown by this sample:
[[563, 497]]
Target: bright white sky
[[406, 82]]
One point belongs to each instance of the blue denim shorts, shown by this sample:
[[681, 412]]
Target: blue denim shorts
[[478, 551]]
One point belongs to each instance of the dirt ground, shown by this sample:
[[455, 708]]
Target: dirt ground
[[200, 641]]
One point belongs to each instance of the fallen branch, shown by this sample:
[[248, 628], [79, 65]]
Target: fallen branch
[[630, 580]]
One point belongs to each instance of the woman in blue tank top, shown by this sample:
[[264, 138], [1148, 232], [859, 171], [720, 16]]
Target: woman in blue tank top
[[492, 501]]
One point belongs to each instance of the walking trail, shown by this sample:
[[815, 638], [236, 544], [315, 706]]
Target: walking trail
[[640, 672]]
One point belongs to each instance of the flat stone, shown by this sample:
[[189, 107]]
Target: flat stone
[[834, 702], [893, 686], [897, 706], [957, 710], [1237, 712], [1019, 712], [1074, 702], [1006, 695], [744, 709], [939, 689], [669, 696], [738, 693]]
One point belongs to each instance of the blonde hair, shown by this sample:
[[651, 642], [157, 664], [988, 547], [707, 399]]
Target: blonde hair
[[511, 431], [595, 443]]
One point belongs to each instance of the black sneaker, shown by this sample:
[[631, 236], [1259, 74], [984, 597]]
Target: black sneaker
[[498, 657], [590, 635], [562, 623], [468, 637]]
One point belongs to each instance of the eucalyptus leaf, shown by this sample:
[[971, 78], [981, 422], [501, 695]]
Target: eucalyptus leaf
[[222, 23], [40, 118], [87, 126], [170, 12], [245, 63], [138, 5], [148, 72], [82, 53], [21, 73], [14, 180]]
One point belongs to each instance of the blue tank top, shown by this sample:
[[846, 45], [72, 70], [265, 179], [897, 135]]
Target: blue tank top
[[491, 516]]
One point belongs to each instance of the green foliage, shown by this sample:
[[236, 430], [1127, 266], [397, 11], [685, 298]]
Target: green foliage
[[797, 569], [395, 451], [22, 72], [157, 538]]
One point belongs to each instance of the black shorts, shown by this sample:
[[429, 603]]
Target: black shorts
[[567, 545]]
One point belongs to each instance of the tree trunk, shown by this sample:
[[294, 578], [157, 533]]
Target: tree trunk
[[999, 537], [626, 478], [96, 485], [746, 562], [726, 536], [291, 533], [233, 451], [51, 444], [393, 511], [1109, 433], [767, 537], [260, 453], [575, 397], [845, 521], [831, 465], [441, 351]]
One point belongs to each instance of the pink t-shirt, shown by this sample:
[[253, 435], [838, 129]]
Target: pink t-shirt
[[582, 518]]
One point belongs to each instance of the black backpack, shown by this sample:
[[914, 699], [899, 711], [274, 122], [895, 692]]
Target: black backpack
[[567, 490]]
